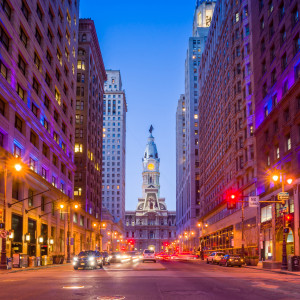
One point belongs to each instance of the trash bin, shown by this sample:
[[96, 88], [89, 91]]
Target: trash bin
[[294, 263], [9, 263], [44, 260], [32, 261], [38, 261], [23, 260]]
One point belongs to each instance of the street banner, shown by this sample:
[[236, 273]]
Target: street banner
[[254, 201]]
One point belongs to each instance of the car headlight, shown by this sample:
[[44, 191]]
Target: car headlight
[[91, 258], [118, 256], [242, 260], [75, 258], [230, 259]]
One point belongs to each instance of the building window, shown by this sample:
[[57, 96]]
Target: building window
[[56, 137], [32, 164], [2, 107], [25, 10], [3, 70], [45, 150], [47, 102], [49, 57], [23, 37], [4, 39], [80, 65], [30, 198], [266, 213], [21, 64], [6, 8], [78, 148], [283, 62], [18, 123], [277, 152], [54, 181], [288, 142], [38, 35], [33, 139], [54, 160], [295, 16], [17, 151], [44, 173]]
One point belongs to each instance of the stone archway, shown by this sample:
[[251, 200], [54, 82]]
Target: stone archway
[[290, 246]]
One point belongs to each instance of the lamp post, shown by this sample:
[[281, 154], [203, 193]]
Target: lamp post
[[275, 177], [18, 167], [62, 205]]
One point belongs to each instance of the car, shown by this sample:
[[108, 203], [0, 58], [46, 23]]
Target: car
[[115, 257], [132, 255], [214, 257], [106, 258], [149, 255], [186, 256], [231, 261], [88, 259]]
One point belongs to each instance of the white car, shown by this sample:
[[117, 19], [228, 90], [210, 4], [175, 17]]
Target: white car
[[214, 257], [148, 255]]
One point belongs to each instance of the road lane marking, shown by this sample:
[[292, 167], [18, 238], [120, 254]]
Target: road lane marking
[[74, 287]]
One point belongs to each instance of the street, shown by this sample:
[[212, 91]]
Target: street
[[180, 280]]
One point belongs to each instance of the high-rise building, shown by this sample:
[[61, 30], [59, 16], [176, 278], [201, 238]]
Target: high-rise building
[[187, 182], [38, 46], [276, 30], [114, 145], [151, 226], [226, 131], [91, 76]]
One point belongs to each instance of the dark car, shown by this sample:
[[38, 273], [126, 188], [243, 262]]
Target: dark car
[[106, 258], [88, 259], [231, 260]]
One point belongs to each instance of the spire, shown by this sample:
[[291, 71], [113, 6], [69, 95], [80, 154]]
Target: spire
[[151, 150]]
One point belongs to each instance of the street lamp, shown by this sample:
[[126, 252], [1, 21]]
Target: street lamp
[[62, 205], [289, 180], [17, 166]]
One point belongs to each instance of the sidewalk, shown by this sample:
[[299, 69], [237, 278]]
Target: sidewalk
[[15, 270], [279, 271]]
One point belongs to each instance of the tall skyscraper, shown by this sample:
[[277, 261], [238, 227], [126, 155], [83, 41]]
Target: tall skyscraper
[[114, 145], [38, 46], [226, 131], [151, 226], [91, 76], [187, 182]]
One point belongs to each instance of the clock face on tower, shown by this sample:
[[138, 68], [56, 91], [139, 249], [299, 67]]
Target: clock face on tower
[[150, 167]]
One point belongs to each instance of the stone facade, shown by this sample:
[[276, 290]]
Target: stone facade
[[114, 145], [151, 225]]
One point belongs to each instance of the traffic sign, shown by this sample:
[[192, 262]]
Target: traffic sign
[[254, 201], [3, 234], [283, 210], [283, 196]]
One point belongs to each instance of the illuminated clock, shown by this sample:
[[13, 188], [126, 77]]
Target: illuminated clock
[[150, 166]]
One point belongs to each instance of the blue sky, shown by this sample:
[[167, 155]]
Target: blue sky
[[147, 42]]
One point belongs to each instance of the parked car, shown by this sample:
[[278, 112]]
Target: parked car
[[214, 257], [106, 258], [231, 261], [88, 259], [149, 255]]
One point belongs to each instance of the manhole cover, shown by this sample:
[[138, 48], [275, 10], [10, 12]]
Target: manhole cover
[[110, 297]]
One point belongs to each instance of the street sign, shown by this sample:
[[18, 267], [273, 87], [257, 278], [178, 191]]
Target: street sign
[[254, 201], [283, 196], [3, 234], [283, 210]]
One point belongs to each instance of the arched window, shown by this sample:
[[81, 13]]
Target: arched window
[[151, 205], [150, 179], [199, 19]]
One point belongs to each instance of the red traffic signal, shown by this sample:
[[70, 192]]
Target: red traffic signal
[[289, 219], [231, 199]]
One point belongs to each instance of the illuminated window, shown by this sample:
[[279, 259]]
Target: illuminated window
[[196, 117], [17, 151], [81, 65], [78, 148]]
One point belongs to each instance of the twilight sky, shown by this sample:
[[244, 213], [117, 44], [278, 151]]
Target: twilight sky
[[147, 42]]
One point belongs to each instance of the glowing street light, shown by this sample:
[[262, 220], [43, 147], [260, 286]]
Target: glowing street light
[[18, 167]]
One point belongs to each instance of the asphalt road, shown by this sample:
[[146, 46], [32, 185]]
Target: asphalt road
[[180, 280]]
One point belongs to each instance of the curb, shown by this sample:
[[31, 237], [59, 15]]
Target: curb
[[273, 271], [33, 268]]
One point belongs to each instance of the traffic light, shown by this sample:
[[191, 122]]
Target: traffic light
[[232, 198], [288, 220]]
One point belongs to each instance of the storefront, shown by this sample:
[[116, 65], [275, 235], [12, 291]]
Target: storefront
[[17, 227]]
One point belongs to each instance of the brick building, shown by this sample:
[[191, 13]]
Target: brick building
[[277, 101]]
